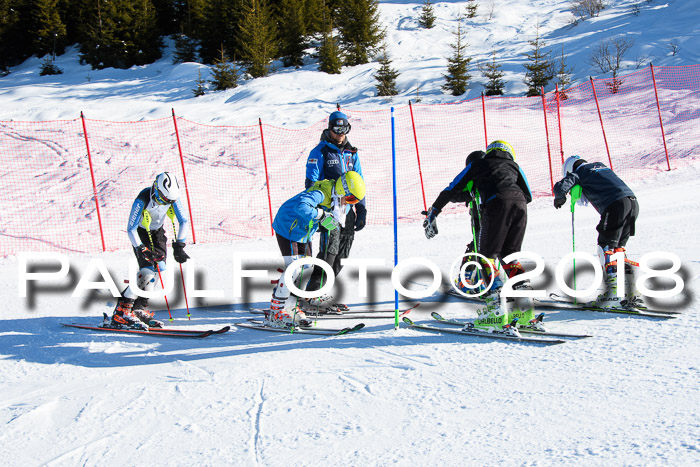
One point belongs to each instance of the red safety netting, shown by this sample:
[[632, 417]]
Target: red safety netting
[[236, 178]]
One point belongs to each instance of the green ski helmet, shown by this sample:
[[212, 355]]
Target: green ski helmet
[[503, 146], [350, 186]]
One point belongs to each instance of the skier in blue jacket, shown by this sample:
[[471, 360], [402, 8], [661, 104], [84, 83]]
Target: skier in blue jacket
[[618, 209], [323, 205], [332, 157], [146, 233]]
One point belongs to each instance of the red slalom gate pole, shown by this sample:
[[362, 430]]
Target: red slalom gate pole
[[94, 186]]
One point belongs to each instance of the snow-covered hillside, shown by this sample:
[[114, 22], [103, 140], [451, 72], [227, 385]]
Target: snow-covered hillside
[[629, 395]]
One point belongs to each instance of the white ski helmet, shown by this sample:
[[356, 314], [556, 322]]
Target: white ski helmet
[[569, 167], [165, 189]]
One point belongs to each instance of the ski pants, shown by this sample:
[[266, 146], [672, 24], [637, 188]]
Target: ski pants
[[334, 246], [503, 223], [616, 224]]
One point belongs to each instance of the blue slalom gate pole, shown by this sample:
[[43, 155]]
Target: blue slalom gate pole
[[396, 216]]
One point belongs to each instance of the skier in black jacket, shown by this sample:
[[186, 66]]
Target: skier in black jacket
[[504, 193], [618, 209]]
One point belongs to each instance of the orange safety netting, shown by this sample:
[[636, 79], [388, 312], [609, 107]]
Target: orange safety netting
[[237, 177]]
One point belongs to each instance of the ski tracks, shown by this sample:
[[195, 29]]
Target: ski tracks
[[254, 414]]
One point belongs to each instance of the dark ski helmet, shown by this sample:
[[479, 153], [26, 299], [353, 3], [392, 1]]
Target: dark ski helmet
[[474, 156], [338, 123]]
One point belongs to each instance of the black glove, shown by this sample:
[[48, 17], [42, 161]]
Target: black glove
[[361, 217], [179, 252], [559, 202], [144, 254], [430, 224]]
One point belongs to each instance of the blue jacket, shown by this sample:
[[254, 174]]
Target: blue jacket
[[599, 184], [328, 162], [296, 219]]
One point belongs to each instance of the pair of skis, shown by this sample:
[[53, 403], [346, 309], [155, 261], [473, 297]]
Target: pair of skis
[[348, 314], [557, 302], [154, 332]]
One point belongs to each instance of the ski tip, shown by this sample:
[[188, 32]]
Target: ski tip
[[407, 321]]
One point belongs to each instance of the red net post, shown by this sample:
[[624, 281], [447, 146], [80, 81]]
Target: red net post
[[602, 127], [92, 176], [267, 177], [420, 171], [561, 141], [546, 133], [483, 113], [661, 122], [184, 176]]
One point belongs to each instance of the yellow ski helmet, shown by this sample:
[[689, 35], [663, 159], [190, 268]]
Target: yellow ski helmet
[[350, 186], [503, 146]]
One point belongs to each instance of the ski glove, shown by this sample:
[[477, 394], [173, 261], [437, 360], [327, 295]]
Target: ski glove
[[430, 223], [559, 202], [144, 254], [328, 222], [361, 217], [179, 252]]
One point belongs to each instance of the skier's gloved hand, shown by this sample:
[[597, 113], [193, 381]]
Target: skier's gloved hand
[[361, 217], [430, 223], [179, 252], [327, 220], [145, 254], [559, 202]]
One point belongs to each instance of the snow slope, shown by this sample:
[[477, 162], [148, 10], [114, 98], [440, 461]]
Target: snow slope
[[630, 395]]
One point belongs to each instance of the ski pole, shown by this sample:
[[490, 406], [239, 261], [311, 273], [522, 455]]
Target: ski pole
[[575, 196], [147, 223], [171, 215]]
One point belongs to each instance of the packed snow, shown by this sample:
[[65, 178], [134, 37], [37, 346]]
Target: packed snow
[[629, 395]]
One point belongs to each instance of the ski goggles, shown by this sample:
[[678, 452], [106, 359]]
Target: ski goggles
[[341, 129], [159, 198], [351, 199]]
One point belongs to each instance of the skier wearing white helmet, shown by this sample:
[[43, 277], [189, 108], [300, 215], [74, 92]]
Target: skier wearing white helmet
[[618, 209], [146, 231]]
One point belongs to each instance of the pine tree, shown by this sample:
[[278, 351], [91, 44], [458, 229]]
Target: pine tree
[[200, 90], [15, 37], [220, 25], [293, 30], [120, 34], [258, 38], [458, 76], [185, 49], [492, 71], [386, 76], [427, 15], [329, 55], [540, 69], [49, 31], [472, 6], [563, 74], [189, 14], [360, 32], [224, 72]]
